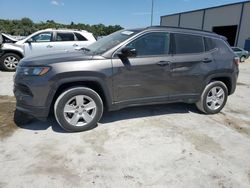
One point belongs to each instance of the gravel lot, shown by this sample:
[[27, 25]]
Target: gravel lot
[[157, 146]]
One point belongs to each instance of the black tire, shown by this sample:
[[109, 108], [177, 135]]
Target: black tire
[[202, 104], [242, 59], [68, 95], [3, 66]]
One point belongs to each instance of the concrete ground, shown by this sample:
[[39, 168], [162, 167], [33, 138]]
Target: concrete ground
[[157, 146]]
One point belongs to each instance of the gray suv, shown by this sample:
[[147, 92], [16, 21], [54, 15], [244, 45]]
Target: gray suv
[[153, 65]]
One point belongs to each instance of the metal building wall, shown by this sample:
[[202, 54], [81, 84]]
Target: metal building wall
[[244, 32], [192, 20], [206, 19], [170, 21], [223, 16]]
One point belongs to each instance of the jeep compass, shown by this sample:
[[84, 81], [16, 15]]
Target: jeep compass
[[134, 67]]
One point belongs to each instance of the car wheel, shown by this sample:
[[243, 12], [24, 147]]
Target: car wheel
[[9, 61], [213, 98], [242, 59], [78, 109]]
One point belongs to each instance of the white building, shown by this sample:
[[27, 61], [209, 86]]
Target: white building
[[231, 20]]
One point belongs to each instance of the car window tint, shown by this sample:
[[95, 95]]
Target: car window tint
[[185, 44], [151, 44], [42, 37], [67, 36], [79, 37], [210, 44], [222, 46]]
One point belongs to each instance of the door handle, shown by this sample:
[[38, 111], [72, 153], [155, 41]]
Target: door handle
[[75, 45], [207, 60], [49, 46], [163, 63]]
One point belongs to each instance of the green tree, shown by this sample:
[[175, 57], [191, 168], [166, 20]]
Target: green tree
[[26, 26]]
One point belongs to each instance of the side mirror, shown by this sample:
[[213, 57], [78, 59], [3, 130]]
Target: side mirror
[[129, 52], [30, 40]]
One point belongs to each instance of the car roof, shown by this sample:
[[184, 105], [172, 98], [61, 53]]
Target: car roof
[[182, 30], [65, 30]]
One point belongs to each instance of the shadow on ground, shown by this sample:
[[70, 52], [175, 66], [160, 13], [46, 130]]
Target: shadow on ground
[[127, 113]]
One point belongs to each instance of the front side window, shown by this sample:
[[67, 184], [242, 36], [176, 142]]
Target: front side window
[[151, 44], [188, 44], [42, 37], [65, 36]]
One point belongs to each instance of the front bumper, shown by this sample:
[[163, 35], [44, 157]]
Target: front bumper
[[33, 95], [1, 52]]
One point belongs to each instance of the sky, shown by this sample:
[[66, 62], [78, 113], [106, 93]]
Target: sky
[[127, 13]]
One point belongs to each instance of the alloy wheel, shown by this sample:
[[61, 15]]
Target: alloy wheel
[[215, 98], [80, 110], [11, 62]]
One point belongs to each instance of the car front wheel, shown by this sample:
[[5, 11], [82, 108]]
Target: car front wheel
[[213, 98], [78, 109]]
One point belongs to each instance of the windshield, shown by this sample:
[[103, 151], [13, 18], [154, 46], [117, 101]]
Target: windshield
[[110, 41]]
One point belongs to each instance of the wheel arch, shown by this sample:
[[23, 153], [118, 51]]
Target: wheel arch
[[14, 52], [94, 84], [225, 78]]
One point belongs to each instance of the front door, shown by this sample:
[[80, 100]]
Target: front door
[[39, 44], [144, 77]]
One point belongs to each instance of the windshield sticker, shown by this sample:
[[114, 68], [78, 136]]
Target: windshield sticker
[[127, 32]]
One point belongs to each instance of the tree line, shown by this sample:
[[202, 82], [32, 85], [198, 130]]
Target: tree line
[[26, 26]]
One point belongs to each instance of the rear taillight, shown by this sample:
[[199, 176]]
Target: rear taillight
[[237, 61]]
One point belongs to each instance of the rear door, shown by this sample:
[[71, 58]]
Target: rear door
[[189, 66], [64, 41]]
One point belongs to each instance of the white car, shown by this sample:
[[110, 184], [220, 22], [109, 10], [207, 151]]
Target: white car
[[43, 42]]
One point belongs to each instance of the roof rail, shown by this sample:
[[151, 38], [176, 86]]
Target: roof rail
[[49, 29], [172, 27]]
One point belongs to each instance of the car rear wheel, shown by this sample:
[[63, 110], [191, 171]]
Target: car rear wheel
[[78, 109], [242, 59], [9, 61], [213, 98]]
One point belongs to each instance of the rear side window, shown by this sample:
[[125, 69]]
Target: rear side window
[[188, 44], [67, 36], [222, 46], [79, 37], [210, 44]]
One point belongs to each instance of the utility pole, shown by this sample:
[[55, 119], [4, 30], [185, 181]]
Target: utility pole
[[152, 12]]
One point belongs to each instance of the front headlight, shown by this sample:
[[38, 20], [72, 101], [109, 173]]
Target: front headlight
[[32, 71]]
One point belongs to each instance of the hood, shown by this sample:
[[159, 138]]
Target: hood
[[53, 58], [10, 38]]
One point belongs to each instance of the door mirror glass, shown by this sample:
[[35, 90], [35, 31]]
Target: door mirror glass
[[129, 52]]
